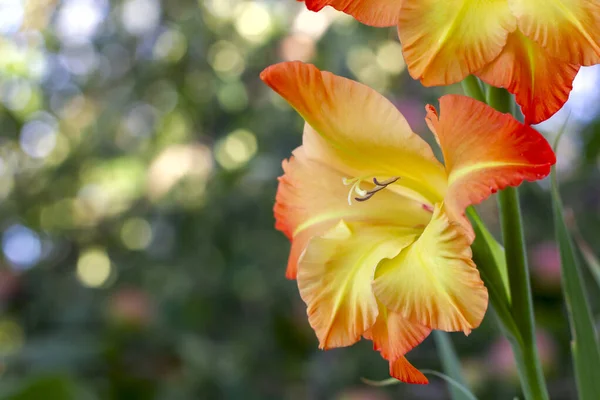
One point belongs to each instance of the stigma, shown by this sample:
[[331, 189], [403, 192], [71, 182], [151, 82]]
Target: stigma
[[362, 194]]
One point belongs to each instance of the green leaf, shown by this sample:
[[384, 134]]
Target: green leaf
[[451, 365], [490, 259], [590, 257], [584, 343]]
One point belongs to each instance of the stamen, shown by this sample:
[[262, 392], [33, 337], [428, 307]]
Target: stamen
[[385, 183], [364, 195], [428, 207]]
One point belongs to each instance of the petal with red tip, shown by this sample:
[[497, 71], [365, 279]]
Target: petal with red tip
[[371, 12], [568, 29], [484, 151], [404, 371], [394, 335], [444, 41], [541, 83]]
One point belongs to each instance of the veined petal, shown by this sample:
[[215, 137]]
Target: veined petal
[[444, 41], [312, 197], [484, 151], [393, 335], [371, 12], [568, 29], [434, 282], [541, 83], [360, 132], [335, 276], [404, 371]]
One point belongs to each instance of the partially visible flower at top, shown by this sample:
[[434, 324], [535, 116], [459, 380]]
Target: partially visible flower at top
[[380, 241], [534, 48]]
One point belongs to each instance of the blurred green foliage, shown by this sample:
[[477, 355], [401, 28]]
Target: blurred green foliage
[[138, 160]]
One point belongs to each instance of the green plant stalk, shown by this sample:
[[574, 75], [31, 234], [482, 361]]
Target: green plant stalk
[[524, 347], [451, 364], [472, 88]]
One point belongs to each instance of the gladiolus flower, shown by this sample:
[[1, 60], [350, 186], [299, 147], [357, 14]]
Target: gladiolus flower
[[380, 242], [534, 48]]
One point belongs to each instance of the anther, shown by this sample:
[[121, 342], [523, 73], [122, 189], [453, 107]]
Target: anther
[[364, 195]]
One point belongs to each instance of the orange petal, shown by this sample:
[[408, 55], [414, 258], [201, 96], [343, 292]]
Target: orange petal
[[433, 281], [312, 197], [393, 335], [444, 41], [541, 83], [359, 131], [335, 275], [404, 371], [371, 12], [484, 151], [568, 29]]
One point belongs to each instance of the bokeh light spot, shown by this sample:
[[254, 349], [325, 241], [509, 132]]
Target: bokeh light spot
[[78, 20], [93, 268], [140, 16], [176, 162], [170, 46], [226, 59], [253, 22], [389, 57], [235, 150], [222, 9], [11, 16], [311, 24], [38, 136], [136, 233], [21, 246], [233, 97]]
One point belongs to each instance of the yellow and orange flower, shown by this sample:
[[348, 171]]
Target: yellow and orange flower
[[380, 242], [534, 48]]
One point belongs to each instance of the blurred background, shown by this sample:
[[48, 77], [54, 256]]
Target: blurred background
[[139, 153]]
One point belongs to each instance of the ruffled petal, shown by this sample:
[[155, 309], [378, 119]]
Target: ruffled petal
[[444, 41], [484, 151], [379, 13], [541, 83], [394, 335], [312, 197], [568, 29], [404, 371], [335, 275], [434, 282], [360, 132]]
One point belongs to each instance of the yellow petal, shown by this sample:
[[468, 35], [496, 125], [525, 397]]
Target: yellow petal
[[568, 29], [434, 282], [335, 275], [446, 40], [359, 131], [312, 197]]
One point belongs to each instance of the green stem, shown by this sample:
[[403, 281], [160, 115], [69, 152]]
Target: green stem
[[472, 88], [524, 347]]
